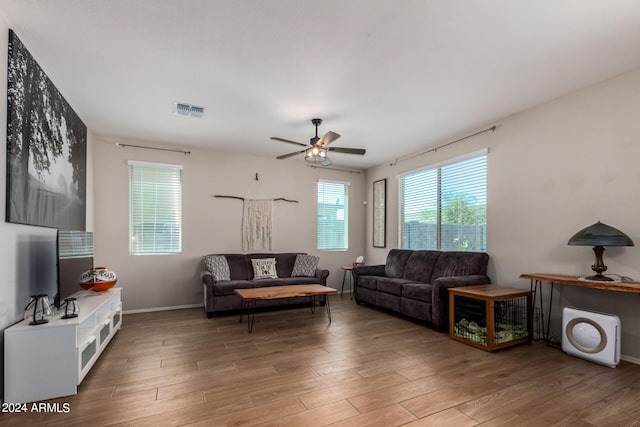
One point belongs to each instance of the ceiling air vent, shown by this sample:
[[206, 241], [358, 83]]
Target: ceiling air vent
[[183, 109]]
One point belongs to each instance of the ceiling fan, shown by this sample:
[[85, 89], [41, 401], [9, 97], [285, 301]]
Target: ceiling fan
[[317, 151]]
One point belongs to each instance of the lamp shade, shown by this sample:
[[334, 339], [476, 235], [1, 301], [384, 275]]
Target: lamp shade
[[600, 234]]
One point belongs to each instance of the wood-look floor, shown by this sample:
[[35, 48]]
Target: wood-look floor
[[368, 367]]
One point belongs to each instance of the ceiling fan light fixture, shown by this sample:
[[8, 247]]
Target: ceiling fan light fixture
[[316, 155], [317, 151]]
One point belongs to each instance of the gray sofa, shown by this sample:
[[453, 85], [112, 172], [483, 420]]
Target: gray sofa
[[219, 294], [415, 283]]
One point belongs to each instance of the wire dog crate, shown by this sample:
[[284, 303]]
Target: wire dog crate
[[490, 317]]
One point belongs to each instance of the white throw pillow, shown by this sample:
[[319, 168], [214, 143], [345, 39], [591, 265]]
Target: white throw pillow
[[264, 268]]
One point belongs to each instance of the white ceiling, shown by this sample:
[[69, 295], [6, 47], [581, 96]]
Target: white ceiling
[[394, 77]]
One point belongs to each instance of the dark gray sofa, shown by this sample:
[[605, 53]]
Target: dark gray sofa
[[415, 283], [219, 296]]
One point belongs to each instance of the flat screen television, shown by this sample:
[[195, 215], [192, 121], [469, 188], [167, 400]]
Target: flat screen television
[[75, 256]]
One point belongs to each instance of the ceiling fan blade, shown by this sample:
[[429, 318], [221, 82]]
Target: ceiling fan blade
[[290, 142], [286, 156], [345, 150], [328, 138]]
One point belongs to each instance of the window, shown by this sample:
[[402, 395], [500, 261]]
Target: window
[[332, 215], [155, 202], [445, 208]]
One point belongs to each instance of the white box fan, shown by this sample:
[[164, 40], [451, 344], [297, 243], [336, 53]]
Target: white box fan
[[591, 335]]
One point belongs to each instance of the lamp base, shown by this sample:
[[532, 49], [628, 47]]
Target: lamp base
[[599, 278]]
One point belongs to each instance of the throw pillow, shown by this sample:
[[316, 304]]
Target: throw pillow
[[305, 266], [264, 268], [218, 266]]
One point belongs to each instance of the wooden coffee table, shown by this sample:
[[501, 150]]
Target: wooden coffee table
[[250, 296]]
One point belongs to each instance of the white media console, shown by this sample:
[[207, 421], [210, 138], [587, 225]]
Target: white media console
[[50, 360]]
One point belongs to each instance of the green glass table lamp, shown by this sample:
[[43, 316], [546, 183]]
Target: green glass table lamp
[[600, 235]]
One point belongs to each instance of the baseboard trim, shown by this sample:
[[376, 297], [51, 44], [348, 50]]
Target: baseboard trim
[[630, 359], [149, 310]]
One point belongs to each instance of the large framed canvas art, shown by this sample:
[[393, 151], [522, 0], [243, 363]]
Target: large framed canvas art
[[46, 148]]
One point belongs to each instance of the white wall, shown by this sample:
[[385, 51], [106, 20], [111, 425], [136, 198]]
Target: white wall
[[27, 253], [553, 170], [211, 225]]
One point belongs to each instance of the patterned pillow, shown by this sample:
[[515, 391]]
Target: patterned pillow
[[218, 266], [305, 266], [264, 268]]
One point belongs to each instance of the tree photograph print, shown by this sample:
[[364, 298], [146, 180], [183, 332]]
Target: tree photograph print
[[46, 148]]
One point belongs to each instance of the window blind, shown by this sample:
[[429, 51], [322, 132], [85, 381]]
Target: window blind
[[155, 220], [332, 215], [445, 208], [419, 210]]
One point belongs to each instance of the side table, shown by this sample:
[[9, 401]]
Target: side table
[[490, 317], [347, 268]]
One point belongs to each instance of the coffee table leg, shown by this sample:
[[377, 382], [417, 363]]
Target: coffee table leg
[[242, 304], [326, 304], [313, 303], [251, 314]]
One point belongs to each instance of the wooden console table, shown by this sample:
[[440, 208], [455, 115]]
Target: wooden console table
[[538, 278]]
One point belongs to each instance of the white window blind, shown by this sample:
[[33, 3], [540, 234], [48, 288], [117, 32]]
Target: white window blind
[[445, 208], [155, 220], [332, 215]]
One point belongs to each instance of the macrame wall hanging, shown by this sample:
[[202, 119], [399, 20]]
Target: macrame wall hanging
[[257, 221]]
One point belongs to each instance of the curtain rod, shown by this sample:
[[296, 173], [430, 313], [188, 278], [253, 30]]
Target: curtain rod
[[153, 148], [411, 156], [242, 198], [333, 169]]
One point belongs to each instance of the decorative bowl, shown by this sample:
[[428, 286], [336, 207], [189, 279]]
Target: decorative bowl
[[98, 279]]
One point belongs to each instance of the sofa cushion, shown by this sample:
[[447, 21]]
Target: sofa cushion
[[388, 301], [285, 262], [458, 263], [420, 264], [396, 261], [264, 268], [391, 285], [267, 281], [417, 309], [368, 282], [217, 265], [417, 291], [301, 281], [305, 265], [227, 287], [239, 267]]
